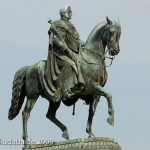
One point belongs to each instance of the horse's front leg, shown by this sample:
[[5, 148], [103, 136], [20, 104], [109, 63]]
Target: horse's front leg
[[92, 109], [97, 89]]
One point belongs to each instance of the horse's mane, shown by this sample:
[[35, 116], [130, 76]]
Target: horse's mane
[[98, 27], [97, 31]]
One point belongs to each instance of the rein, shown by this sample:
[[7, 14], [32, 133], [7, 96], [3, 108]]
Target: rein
[[112, 58], [102, 58]]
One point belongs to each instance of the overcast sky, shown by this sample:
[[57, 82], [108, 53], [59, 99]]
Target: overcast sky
[[24, 41]]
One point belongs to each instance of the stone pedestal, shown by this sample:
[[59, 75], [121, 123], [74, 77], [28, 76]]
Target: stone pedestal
[[96, 143]]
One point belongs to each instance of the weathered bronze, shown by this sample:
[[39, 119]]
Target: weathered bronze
[[64, 48], [58, 79]]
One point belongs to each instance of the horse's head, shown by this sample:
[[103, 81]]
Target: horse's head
[[104, 34], [112, 36]]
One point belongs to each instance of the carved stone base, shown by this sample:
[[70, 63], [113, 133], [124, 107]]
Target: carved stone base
[[96, 143]]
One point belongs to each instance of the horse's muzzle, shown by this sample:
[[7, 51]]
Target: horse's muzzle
[[114, 52]]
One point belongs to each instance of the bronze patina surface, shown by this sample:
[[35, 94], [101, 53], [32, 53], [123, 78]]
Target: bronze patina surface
[[73, 70]]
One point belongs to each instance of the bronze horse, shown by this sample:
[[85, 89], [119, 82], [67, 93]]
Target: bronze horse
[[28, 82]]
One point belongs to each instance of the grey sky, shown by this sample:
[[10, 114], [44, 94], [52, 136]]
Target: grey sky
[[24, 41]]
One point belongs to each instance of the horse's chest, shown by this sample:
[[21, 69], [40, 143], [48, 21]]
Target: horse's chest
[[99, 76]]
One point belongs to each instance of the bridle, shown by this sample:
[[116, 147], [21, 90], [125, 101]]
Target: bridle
[[101, 60], [102, 56], [111, 58]]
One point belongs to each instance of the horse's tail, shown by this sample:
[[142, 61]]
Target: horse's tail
[[18, 93]]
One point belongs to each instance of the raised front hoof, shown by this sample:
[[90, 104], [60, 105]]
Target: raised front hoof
[[110, 120], [65, 135]]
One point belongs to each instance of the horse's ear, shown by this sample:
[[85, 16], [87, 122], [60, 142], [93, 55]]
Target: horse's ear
[[109, 21], [118, 19]]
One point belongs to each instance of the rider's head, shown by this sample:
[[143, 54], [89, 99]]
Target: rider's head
[[65, 12]]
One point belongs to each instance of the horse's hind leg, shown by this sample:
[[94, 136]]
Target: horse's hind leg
[[25, 116], [51, 114], [92, 109], [97, 89]]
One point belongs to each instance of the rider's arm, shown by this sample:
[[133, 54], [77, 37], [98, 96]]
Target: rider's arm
[[62, 47], [59, 44]]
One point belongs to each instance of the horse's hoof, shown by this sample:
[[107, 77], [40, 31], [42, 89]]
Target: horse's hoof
[[26, 147], [25, 138], [110, 120], [65, 135], [91, 135]]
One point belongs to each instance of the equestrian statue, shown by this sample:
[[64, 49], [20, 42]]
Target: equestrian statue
[[73, 70]]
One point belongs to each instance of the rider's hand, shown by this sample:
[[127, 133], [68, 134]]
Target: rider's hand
[[68, 52]]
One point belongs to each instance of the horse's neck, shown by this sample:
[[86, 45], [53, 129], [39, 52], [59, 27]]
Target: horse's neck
[[95, 41]]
